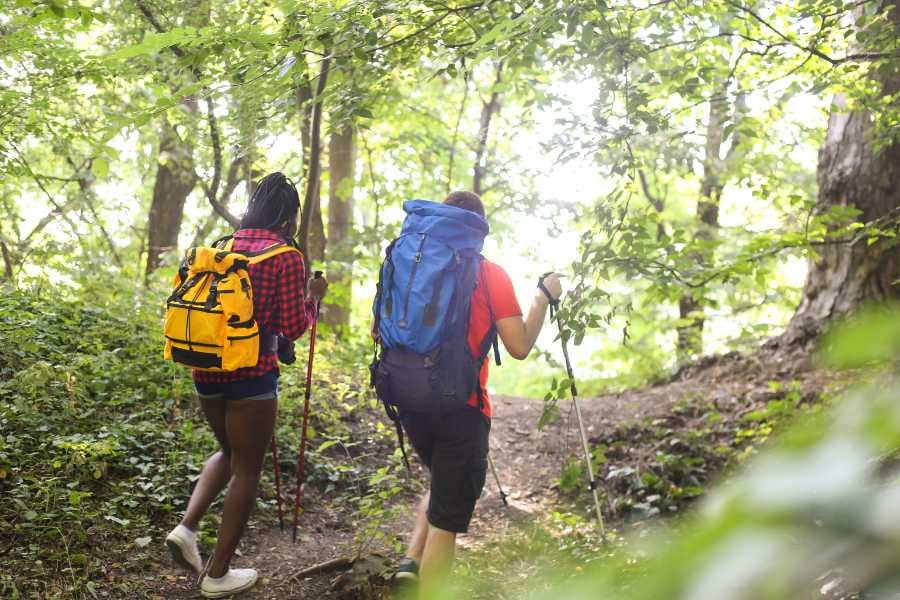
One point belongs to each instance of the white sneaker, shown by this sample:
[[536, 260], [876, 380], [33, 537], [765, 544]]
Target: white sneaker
[[182, 543], [232, 582]]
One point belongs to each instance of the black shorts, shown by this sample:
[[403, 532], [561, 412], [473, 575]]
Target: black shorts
[[454, 446]]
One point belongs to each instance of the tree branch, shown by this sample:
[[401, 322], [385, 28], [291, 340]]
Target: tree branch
[[811, 49], [85, 186], [437, 20], [459, 116], [212, 191]]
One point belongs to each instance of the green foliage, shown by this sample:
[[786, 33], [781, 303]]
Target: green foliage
[[89, 417], [100, 441], [803, 518]]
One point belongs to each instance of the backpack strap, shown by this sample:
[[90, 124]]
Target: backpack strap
[[270, 252], [492, 333], [490, 339], [379, 294], [227, 238]]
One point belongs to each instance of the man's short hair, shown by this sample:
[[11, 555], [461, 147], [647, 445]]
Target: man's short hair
[[467, 200]]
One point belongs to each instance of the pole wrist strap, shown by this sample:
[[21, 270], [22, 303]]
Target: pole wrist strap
[[554, 302]]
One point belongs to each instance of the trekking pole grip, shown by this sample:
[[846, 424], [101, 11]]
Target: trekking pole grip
[[318, 275]]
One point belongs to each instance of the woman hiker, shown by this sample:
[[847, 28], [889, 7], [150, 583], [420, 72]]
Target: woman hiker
[[240, 406]]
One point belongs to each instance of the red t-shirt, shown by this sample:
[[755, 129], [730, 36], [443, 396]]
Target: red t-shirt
[[495, 297]]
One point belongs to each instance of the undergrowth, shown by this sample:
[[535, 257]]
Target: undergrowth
[[101, 440]]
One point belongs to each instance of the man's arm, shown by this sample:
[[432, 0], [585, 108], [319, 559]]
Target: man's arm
[[518, 334]]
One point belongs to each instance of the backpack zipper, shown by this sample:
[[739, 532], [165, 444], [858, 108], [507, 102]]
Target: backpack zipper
[[412, 277]]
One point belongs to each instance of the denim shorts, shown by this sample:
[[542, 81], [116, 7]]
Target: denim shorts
[[257, 388]]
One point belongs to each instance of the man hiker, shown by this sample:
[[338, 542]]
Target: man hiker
[[439, 395], [240, 405]]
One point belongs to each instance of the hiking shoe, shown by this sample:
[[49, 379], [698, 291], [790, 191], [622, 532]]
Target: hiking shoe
[[407, 571], [232, 582], [182, 543]]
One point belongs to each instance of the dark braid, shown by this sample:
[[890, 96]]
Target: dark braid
[[275, 201]]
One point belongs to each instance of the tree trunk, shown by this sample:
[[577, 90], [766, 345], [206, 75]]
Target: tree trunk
[[851, 172], [175, 175], [341, 164], [175, 179], [690, 305], [317, 242], [312, 230], [855, 169], [488, 110], [8, 272]]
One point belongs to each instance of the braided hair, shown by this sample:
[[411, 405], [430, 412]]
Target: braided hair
[[274, 202]]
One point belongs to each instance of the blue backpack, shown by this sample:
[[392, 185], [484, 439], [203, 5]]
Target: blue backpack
[[421, 312]]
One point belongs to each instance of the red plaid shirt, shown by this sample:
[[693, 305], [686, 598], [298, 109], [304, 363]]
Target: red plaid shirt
[[279, 302]]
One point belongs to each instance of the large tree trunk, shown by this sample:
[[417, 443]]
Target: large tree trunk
[[175, 179], [851, 172], [855, 169], [341, 164]]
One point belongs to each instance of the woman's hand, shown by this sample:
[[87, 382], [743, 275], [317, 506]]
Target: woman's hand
[[318, 287]]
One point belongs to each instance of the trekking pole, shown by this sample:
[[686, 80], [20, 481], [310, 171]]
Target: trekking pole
[[278, 498], [592, 482], [503, 495], [301, 459]]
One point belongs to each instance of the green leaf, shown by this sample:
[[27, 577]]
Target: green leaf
[[871, 337], [572, 24], [100, 168]]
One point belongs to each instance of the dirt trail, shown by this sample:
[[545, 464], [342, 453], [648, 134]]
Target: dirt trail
[[528, 462]]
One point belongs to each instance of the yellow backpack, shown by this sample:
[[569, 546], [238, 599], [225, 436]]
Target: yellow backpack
[[209, 316]]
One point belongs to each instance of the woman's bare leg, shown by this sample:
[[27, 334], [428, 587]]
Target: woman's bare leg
[[217, 469], [249, 425]]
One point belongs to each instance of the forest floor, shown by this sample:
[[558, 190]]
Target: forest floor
[[661, 445]]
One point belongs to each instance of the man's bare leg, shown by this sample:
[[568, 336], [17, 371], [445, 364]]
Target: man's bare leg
[[420, 531], [437, 559]]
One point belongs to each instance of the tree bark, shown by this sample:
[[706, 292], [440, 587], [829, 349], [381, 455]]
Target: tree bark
[[855, 169], [488, 110], [317, 241], [342, 169], [175, 175], [8, 270], [851, 172], [175, 179], [690, 305], [311, 219]]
